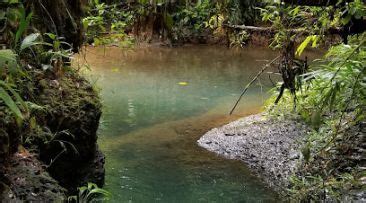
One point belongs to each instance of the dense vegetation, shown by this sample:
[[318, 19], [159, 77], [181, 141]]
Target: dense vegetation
[[41, 36], [177, 21], [330, 96], [39, 91]]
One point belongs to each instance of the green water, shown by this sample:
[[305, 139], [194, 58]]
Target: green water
[[158, 102]]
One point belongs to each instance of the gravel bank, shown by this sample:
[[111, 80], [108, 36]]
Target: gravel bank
[[272, 148]]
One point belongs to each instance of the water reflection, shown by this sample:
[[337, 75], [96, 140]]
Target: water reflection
[[151, 77], [131, 116]]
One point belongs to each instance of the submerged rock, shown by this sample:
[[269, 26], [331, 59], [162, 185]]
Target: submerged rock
[[270, 147]]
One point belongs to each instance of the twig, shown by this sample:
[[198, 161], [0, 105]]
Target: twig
[[112, 6], [56, 157], [251, 82], [49, 16]]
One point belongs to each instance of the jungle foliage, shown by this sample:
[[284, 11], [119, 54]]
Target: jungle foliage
[[28, 52], [333, 100], [178, 21], [330, 96], [90, 193], [38, 86]]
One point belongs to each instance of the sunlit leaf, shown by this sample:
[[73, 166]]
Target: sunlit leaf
[[183, 83], [115, 70], [305, 43]]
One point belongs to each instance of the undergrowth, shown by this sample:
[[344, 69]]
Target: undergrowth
[[125, 23], [332, 100]]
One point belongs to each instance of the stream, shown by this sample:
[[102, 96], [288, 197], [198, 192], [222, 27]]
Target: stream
[[157, 103]]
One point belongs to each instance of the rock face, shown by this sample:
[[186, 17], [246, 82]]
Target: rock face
[[73, 116], [269, 147], [62, 136], [61, 128], [28, 180]]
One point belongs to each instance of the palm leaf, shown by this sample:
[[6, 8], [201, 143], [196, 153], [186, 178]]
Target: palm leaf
[[97, 192], [23, 24], [91, 192], [9, 102], [16, 95]]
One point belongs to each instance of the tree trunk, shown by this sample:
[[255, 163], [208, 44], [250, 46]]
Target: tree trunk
[[62, 17], [312, 2]]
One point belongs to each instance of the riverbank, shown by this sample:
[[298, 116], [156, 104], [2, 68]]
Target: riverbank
[[270, 147], [49, 114], [274, 149], [56, 149]]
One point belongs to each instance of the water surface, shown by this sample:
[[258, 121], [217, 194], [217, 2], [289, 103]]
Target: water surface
[[158, 102]]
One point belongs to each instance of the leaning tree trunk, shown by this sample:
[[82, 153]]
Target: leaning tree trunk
[[312, 2], [62, 17]]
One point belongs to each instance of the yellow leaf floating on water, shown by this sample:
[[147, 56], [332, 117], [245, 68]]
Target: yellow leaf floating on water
[[183, 83], [115, 69]]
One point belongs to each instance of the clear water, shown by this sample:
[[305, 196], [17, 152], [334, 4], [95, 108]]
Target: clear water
[[158, 102]]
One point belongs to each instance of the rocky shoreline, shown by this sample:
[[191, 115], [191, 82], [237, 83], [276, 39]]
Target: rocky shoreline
[[270, 147]]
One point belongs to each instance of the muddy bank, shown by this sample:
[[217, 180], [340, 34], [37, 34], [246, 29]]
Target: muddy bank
[[269, 147]]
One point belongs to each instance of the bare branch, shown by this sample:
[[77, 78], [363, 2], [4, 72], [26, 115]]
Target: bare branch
[[253, 80]]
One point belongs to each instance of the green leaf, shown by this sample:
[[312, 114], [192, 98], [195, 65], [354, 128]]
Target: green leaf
[[8, 58], [316, 119], [305, 43], [23, 25], [51, 36], [29, 41], [92, 192], [333, 97], [315, 39], [98, 191], [9, 102], [306, 152], [169, 22], [19, 99], [346, 20], [23, 104]]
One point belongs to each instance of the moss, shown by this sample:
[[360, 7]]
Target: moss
[[61, 128], [69, 121]]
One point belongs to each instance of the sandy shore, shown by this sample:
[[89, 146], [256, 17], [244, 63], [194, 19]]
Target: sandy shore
[[271, 148]]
